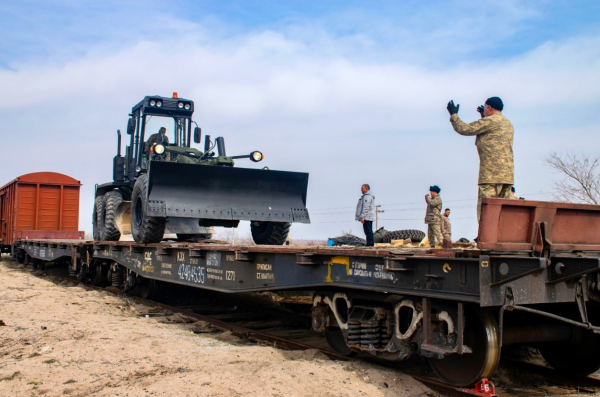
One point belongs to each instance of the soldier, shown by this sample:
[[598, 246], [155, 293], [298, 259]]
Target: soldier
[[494, 141], [511, 194], [154, 138], [433, 217], [446, 226], [365, 213]]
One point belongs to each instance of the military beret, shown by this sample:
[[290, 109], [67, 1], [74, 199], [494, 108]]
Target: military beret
[[495, 102], [435, 188]]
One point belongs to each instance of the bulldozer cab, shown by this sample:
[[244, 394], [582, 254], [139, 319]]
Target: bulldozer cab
[[147, 118]]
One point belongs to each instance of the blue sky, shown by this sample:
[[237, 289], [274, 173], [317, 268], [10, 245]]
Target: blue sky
[[349, 91], [481, 30]]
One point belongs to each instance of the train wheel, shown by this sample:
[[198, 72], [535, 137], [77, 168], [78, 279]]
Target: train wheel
[[336, 341], [481, 335], [83, 273], [96, 276], [579, 357], [147, 288]]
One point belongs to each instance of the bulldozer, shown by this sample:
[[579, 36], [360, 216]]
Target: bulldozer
[[163, 185]]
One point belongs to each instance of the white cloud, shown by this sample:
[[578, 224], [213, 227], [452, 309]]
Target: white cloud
[[345, 119]]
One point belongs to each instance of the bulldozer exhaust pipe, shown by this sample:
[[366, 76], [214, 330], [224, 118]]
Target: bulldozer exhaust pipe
[[206, 144], [221, 146]]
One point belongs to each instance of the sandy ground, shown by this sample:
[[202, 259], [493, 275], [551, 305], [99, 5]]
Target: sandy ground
[[66, 340]]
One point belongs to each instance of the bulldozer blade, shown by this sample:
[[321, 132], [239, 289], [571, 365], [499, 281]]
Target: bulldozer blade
[[177, 190]]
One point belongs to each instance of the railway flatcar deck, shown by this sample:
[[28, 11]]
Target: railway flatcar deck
[[528, 282]]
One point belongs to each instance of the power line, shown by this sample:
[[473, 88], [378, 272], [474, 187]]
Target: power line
[[401, 204], [420, 219], [392, 210], [391, 219], [335, 222]]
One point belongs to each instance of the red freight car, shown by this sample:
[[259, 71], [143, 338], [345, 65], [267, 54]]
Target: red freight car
[[39, 205]]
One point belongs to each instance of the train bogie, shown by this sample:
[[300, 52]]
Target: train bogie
[[456, 307]]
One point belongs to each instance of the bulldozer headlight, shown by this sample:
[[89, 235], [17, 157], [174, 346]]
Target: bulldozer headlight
[[158, 104], [180, 105], [187, 106], [152, 103], [159, 149], [256, 156]]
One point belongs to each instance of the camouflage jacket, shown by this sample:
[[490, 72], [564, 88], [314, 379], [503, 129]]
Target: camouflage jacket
[[494, 143], [153, 139], [446, 227], [434, 209]]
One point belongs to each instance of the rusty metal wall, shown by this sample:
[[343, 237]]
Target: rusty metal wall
[[40, 201], [530, 225]]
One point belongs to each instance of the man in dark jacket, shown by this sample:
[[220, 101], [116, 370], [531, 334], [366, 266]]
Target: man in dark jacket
[[365, 212]]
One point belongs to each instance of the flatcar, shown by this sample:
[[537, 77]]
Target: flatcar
[[533, 279]]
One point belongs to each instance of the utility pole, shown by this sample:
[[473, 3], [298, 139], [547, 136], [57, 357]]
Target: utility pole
[[377, 212]]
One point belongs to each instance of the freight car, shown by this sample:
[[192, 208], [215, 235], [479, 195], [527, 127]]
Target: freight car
[[39, 205], [534, 279]]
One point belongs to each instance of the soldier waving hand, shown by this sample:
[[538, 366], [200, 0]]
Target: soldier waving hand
[[494, 141]]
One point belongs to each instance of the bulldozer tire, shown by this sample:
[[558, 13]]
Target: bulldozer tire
[[192, 238], [269, 233], [414, 235], [109, 229], [145, 229], [97, 216]]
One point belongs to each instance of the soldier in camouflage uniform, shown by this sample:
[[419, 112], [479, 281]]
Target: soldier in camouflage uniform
[[446, 226], [494, 141], [152, 139], [433, 217]]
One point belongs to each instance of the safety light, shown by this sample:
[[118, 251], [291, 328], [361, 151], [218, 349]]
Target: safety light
[[159, 149], [152, 103], [256, 156], [180, 105], [174, 95]]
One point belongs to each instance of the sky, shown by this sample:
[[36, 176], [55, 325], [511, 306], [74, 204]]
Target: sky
[[351, 92]]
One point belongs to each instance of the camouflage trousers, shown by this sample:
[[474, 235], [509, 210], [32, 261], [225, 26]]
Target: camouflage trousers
[[447, 236], [492, 190], [434, 234]]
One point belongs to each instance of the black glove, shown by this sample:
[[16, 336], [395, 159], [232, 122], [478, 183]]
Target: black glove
[[451, 108], [480, 110]]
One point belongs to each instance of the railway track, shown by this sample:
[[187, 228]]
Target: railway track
[[289, 331]]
